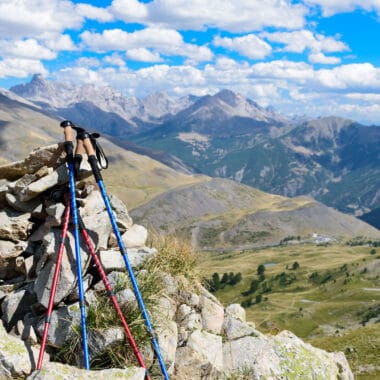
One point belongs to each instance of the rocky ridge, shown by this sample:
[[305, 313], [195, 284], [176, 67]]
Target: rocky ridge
[[199, 338]]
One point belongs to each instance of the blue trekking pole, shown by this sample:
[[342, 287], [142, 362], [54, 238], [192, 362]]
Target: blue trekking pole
[[69, 148], [83, 136]]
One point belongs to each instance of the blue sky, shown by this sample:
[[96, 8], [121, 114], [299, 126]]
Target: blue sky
[[314, 57]]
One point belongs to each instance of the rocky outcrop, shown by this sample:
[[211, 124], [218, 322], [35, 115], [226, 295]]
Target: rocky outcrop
[[199, 338]]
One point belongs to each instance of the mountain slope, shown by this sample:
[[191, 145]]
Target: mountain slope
[[224, 214], [133, 177]]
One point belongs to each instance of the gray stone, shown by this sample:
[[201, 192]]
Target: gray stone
[[54, 371], [212, 315], [126, 296], [9, 252], [25, 207], [14, 226], [188, 319], [235, 311], [235, 328], [167, 336], [99, 340], [15, 305], [99, 229], [65, 285], [113, 260], [117, 280], [123, 219], [50, 156], [16, 360], [135, 236], [283, 356], [55, 213], [61, 325]]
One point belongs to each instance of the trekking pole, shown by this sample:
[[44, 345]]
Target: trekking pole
[[112, 296], [65, 226], [69, 147], [85, 137]]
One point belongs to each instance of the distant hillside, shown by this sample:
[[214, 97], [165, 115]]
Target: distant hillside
[[221, 214], [134, 178]]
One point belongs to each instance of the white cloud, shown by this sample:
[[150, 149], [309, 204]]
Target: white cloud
[[288, 70], [20, 68], [94, 13], [363, 76], [32, 18], [249, 46], [321, 58], [300, 40], [115, 60], [162, 41], [61, 42], [235, 16], [143, 55], [29, 48], [331, 7]]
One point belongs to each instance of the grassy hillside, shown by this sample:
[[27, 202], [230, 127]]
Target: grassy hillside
[[326, 298]]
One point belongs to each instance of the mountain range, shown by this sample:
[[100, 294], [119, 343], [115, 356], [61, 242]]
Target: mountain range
[[334, 160], [215, 213]]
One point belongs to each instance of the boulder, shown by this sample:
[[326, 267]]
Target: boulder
[[135, 236], [51, 156], [212, 313], [9, 252], [167, 337], [113, 260], [99, 340], [14, 226], [283, 356], [61, 324], [54, 371], [16, 359], [16, 305]]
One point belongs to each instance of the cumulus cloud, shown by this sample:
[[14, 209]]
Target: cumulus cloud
[[32, 18], [20, 68], [143, 55], [94, 13], [29, 48], [331, 7], [249, 46], [138, 44], [321, 58], [242, 16], [300, 40]]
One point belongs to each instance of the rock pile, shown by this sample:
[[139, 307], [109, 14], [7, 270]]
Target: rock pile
[[199, 338]]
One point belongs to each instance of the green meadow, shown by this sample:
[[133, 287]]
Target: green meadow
[[328, 295]]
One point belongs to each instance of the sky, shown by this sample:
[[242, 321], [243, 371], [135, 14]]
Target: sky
[[302, 57]]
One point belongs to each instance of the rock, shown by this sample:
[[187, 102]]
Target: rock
[[55, 213], [167, 337], [202, 357], [74, 295], [117, 280], [99, 229], [14, 226], [9, 252], [61, 325], [15, 305], [135, 236], [15, 358], [25, 207], [99, 340], [235, 311], [123, 219], [167, 308], [54, 371], [212, 315], [188, 319], [235, 328], [66, 281], [283, 356], [113, 260], [126, 296], [50, 156]]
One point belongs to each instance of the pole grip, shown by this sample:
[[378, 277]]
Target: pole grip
[[88, 146], [69, 145]]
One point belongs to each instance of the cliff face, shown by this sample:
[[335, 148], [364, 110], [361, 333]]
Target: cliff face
[[198, 337]]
